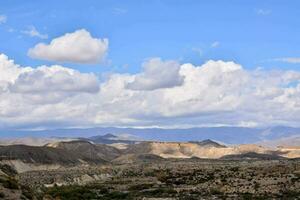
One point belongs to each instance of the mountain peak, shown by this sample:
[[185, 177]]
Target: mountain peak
[[109, 136], [208, 142]]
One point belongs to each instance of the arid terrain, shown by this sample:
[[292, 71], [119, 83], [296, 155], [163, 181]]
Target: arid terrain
[[167, 179], [82, 169]]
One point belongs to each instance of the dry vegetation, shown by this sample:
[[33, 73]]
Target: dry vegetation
[[171, 179]]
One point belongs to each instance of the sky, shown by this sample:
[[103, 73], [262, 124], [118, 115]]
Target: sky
[[157, 63]]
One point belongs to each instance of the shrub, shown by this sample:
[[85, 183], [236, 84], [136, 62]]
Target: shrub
[[71, 193], [10, 183]]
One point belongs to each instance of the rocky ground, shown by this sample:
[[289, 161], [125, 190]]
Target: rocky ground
[[170, 179]]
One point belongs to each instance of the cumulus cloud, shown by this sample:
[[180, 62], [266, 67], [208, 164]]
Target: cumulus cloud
[[76, 47], [216, 92], [3, 19], [55, 79], [54, 82], [157, 74], [32, 32], [9, 70]]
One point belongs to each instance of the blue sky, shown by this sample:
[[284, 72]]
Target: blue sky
[[251, 33], [157, 63]]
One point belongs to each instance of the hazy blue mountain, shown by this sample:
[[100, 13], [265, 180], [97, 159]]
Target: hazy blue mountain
[[109, 139], [229, 135]]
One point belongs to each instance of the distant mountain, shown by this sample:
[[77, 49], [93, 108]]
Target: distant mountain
[[279, 132], [109, 139], [284, 141], [227, 135]]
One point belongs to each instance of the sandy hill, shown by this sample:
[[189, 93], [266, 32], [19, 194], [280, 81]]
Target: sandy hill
[[55, 155], [32, 154], [192, 149], [87, 150], [208, 143], [82, 152]]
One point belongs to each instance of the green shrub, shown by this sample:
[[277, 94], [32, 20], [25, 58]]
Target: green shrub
[[10, 183], [116, 195], [140, 186], [72, 193]]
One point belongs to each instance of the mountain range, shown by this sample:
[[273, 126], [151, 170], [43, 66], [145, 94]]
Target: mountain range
[[227, 135], [104, 150]]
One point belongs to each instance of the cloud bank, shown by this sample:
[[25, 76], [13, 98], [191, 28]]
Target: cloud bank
[[76, 47], [182, 95]]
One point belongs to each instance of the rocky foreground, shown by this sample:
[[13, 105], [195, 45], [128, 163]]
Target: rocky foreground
[[168, 179]]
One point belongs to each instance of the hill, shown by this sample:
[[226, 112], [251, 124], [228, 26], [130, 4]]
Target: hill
[[205, 149], [88, 151], [81, 152], [252, 155], [42, 155], [56, 155], [208, 143]]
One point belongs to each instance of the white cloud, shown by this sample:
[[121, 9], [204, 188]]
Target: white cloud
[[119, 11], [9, 70], [215, 44], [3, 19], [293, 60], [157, 74], [76, 47], [263, 11], [47, 84], [214, 93], [54, 79], [32, 32]]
